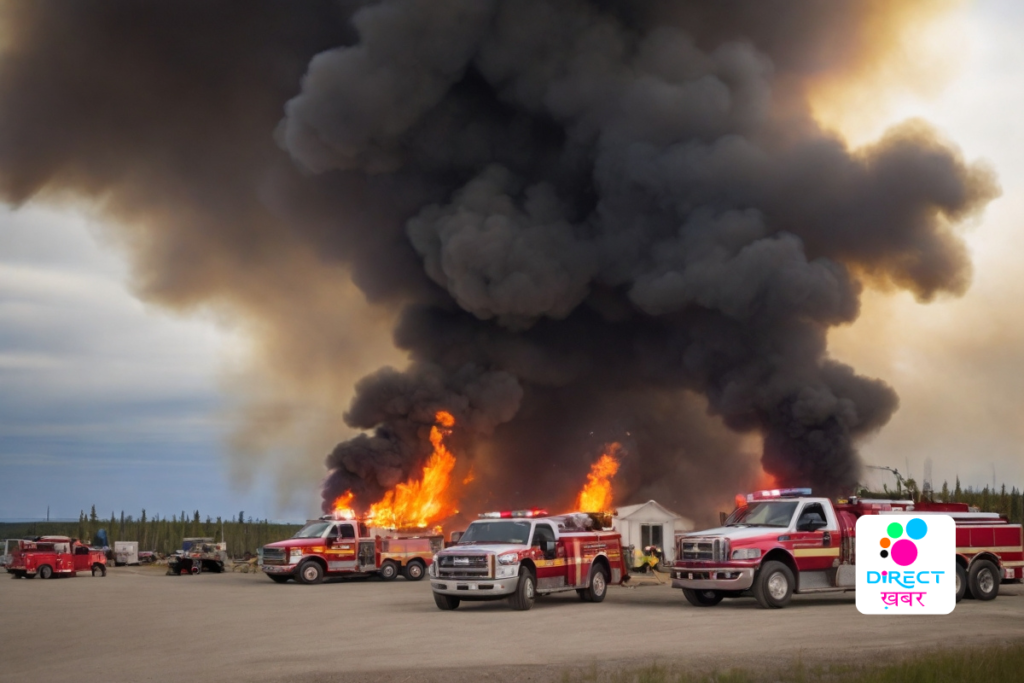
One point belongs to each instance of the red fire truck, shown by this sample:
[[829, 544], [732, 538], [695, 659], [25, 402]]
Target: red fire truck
[[48, 556], [524, 553], [347, 547], [784, 541]]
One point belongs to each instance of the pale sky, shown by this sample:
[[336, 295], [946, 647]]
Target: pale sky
[[107, 400]]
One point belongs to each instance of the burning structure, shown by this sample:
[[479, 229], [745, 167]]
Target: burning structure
[[590, 221]]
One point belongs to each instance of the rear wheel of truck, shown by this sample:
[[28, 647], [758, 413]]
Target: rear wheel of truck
[[99, 570], [983, 580], [45, 572], [276, 578], [525, 593], [598, 586], [773, 585], [702, 598], [414, 571], [388, 570], [445, 602], [961, 582], [311, 572]]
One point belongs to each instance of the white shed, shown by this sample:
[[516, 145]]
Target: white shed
[[650, 524]]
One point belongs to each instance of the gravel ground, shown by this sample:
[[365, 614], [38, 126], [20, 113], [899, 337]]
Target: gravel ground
[[138, 625]]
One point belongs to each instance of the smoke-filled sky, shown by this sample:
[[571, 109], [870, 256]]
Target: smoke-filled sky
[[706, 234]]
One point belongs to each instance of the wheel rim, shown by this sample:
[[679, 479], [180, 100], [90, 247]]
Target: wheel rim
[[707, 595], [310, 574], [388, 571], [778, 586], [599, 584], [986, 582], [529, 588], [415, 571], [958, 582]]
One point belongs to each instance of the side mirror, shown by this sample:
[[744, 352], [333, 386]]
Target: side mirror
[[811, 524], [549, 546]]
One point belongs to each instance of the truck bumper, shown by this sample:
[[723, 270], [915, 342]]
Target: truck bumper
[[279, 569], [714, 578], [475, 589]]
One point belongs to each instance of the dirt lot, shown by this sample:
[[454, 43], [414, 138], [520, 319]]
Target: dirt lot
[[139, 625]]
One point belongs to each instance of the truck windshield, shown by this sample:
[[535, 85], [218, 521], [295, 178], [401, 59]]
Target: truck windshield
[[315, 530], [496, 532], [763, 513]]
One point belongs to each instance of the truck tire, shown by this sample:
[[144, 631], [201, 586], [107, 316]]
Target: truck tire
[[99, 570], [414, 571], [311, 572], [45, 572], [961, 582], [526, 591], [388, 570], [773, 585], [983, 579], [702, 598], [597, 587], [278, 578], [446, 602]]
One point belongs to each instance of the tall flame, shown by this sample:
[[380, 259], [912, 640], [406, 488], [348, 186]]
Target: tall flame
[[342, 507], [423, 502], [596, 495]]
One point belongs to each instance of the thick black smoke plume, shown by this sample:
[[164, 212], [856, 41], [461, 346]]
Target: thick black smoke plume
[[599, 220]]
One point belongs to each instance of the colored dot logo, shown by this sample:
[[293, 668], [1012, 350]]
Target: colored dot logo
[[903, 550]]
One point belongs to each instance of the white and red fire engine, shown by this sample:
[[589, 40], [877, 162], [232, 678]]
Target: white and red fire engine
[[784, 541], [524, 553], [348, 547]]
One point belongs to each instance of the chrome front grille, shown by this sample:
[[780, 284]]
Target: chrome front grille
[[275, 556], [704, 549], [463, 567]]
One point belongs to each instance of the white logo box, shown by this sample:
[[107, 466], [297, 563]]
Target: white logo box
[[906, 564]]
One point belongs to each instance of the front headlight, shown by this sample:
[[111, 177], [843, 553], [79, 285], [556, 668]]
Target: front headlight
[[746, 553], [508, 558], [433, 567], [295, 552]]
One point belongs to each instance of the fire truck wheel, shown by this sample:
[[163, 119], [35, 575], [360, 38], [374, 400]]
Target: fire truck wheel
[[961, 582], [598, 586], [702, 598], [526, 591], [446, 602], [414, 571], [311, 572], [388, 571], [45, 572], [983, 580], [773, 586], [277, 578], [99, 570]]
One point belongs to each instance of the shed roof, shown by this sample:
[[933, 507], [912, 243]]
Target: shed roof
[[627, 511]]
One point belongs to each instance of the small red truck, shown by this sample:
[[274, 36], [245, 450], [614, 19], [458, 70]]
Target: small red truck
[[525, 553], [330, 547], [784, 541], [48, 556]]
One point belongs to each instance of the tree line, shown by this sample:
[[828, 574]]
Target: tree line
[[1009, 503], [163, 535]]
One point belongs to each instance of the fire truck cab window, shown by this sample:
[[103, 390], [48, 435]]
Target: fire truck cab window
[[764, 513], [543, 533], [812, 515], [497, 532], [363, 533], [315, 530], [343, 531]]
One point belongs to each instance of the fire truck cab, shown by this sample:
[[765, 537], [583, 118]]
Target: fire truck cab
[[519, 555], [785, 541], [330, 547], [49, 556]]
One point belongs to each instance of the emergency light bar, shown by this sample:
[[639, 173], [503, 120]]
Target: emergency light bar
[[507, 514], [777, 493]]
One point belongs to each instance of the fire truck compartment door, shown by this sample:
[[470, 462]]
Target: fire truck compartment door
[[341, 548], [367, 554]]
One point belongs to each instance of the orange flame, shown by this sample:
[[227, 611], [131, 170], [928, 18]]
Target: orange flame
[[596, 495], [342, 508], [421, 503]]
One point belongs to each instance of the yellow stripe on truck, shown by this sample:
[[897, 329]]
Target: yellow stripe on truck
[[816, 552]]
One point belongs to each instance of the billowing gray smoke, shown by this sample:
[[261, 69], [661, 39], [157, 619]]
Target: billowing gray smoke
[[599, 220]]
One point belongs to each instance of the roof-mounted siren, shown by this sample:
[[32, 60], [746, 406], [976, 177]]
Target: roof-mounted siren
[[777, 493], [510, 514]]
